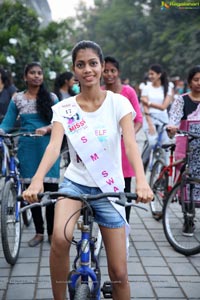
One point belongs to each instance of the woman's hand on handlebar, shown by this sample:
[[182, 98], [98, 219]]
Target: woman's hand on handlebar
[[144, 192], [171, 130], [30, 194]]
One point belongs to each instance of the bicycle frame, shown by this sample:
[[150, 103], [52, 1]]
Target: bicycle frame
[[85, 248], [170, 169]]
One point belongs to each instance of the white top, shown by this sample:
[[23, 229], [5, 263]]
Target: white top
[[156, 95], [105, 122]]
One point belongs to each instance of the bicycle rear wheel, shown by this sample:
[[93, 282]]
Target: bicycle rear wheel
[[158, 185], [82, 292], [174, 221], [10, 223]]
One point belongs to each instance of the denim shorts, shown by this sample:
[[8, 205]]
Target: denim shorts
[[104, 212]]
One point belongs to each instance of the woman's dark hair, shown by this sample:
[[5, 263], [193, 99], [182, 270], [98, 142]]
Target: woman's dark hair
[[44, 100], [192, 73], [5, 77], [87, 45], [164, 80], [113, 61], [60, 81]]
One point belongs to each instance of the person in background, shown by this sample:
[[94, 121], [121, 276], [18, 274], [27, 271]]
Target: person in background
[[33, 105], [112, 81], [143, 84], [156, 97], [185, 114], [63, 86], [96, 118], [7, 90]]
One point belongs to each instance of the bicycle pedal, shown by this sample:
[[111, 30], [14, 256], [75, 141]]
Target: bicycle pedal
[[107, 289]]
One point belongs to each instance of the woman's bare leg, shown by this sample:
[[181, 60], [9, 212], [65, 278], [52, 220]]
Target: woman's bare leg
[[59, 254], [115, 246]]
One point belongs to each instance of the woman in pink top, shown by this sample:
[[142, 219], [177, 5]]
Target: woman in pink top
[[112, 81]]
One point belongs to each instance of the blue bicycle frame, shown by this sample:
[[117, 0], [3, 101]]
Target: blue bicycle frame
[[84, 273]]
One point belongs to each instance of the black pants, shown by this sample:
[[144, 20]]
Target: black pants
[[49, 213], [128, 190]]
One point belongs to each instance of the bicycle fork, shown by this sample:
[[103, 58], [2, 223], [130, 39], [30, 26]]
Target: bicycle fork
[[84, 274]]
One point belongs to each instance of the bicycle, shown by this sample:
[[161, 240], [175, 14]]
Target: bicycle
[[152, 153], [162, 179], [84, 280], [181, 210], [4, 159], [10, 218]]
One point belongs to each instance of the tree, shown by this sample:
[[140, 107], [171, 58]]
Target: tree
[[139, 33], [23, 41]]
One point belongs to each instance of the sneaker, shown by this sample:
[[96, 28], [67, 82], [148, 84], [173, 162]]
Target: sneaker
[[188, 228]]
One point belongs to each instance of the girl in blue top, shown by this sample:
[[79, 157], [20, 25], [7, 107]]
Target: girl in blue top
[[33, 106]]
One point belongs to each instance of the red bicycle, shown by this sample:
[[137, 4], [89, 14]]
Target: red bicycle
[[162, 179]]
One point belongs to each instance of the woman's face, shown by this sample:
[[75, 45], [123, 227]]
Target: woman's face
[[34, 76], [153, 76], [87, 67], [195, 83], [110, 74]]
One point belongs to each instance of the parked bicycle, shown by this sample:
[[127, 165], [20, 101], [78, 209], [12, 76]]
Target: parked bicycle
[[4, 159], [84, 280], [152, 153], [181, 211], [162, 179], [10, 217]]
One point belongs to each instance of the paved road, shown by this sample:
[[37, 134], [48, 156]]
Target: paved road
[[156, 271]]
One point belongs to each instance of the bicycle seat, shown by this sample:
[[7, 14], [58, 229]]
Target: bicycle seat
[[169, 146]]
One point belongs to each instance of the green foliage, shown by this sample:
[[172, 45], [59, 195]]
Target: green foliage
[[139, 33], [23, 40]]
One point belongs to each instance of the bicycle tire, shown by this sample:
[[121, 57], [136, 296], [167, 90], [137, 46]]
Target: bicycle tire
[[10, 227], [159, 188], [82, 292], [173, 220], [145, 155], [27, 217]]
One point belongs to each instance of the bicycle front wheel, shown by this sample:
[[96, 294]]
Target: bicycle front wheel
[[82, 292], [10, 223], [96, 235], [158, 184], [186, 242]]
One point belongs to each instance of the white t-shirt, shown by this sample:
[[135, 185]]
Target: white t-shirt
[[105, 122], [156, 95]]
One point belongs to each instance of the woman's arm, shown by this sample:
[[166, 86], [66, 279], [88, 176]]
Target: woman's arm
[[51, 154], [163, 106], [144, 100], [10, 118], [132, 151]]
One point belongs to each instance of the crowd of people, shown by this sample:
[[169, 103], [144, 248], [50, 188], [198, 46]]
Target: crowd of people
[[113, 113]]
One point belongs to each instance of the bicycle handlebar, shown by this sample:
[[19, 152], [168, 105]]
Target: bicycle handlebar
[[13, 135], [48, 198], [187, 133]]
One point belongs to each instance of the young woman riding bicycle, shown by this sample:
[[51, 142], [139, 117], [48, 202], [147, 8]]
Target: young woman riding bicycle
[[156, 97], [185, 114], [93, 122]]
